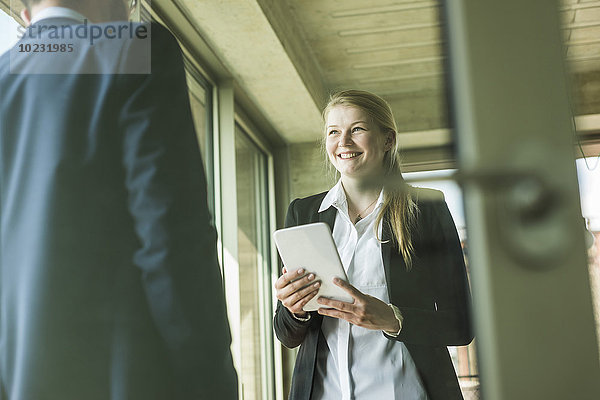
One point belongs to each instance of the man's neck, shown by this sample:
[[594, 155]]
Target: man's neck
[[96, 11], [37, 8]]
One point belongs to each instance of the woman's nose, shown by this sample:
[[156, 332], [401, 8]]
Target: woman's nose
[[345, 139]]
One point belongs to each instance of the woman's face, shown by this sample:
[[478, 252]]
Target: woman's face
[[355, 145]]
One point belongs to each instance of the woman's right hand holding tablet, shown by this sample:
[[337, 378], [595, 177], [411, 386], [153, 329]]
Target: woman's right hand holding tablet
[[294, 289]]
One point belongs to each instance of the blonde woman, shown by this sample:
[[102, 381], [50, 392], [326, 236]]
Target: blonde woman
[[405, 268]]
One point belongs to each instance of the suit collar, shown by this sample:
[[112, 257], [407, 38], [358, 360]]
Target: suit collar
[[328, 216], [60, 13]]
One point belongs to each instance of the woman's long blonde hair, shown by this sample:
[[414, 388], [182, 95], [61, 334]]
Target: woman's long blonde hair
[[398, 203]]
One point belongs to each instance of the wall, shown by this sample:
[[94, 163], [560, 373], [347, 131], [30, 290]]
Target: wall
[[308, 172]]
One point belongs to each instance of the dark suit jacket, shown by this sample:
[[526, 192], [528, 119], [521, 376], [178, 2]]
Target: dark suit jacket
[[110, 286], [433, 296]]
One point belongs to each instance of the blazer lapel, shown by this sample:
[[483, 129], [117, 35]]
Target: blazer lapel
[[328, 216]]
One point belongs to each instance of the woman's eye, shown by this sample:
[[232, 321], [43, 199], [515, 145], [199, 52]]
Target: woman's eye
[[333, 132], [357, 128]]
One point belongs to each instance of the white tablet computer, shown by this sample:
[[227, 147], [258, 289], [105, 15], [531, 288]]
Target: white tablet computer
[[312, 247]]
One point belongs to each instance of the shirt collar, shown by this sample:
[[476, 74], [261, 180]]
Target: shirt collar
[[337, 197], [58, 12]]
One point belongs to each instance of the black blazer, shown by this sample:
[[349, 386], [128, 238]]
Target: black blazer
[[433, 296], [110, 286]]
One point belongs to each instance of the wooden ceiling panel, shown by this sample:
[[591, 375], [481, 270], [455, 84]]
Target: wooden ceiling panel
[[567, 17], [402, 87], [324, 16], [414, 69], [588, 14], [590, 32], [584, 51], [351, 58], [388, 47]]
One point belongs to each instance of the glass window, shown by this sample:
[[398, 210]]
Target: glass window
[[253, 256], [198, 99], [588, 173], [200, 93]]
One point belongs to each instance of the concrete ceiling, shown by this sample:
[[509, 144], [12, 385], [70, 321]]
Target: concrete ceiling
[[245, 42], [581, 23], [288, 55], [285, 52], [392, 48]]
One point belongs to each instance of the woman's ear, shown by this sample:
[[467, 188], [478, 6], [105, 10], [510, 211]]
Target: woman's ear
[[390, 140]]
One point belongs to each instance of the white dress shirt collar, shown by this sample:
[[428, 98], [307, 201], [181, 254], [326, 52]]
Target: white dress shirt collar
[[337, 197], [58, 12]]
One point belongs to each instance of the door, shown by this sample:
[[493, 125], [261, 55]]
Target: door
[[532, 302]]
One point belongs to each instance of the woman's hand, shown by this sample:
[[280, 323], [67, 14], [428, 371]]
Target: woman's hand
[[295, 290], [367, 311]]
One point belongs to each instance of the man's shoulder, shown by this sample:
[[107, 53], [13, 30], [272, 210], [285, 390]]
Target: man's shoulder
[[100, 35], [60, 47], [159, 48], [134, 35], [135, 30]]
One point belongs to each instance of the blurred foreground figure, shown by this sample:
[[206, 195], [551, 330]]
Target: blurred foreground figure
[[110, 286]]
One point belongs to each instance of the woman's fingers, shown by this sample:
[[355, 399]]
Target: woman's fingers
[[295, 289], [288, 277], [337, 304], [291, 289], [298, 300], [354, 316], [356, 294], [334, 313], [368, 312], [295, 286], [351, 290]]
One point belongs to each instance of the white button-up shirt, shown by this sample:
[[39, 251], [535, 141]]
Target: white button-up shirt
[[359, 363]]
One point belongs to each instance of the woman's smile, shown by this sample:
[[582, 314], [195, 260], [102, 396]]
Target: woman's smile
[[349, 155], [355, 145]]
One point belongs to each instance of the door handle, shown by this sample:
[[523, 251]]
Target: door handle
[[530, 212]]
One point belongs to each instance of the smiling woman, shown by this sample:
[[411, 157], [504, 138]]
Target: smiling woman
[[405, 268]]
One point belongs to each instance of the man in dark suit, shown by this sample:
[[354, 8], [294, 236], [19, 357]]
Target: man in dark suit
[[110, 286]]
